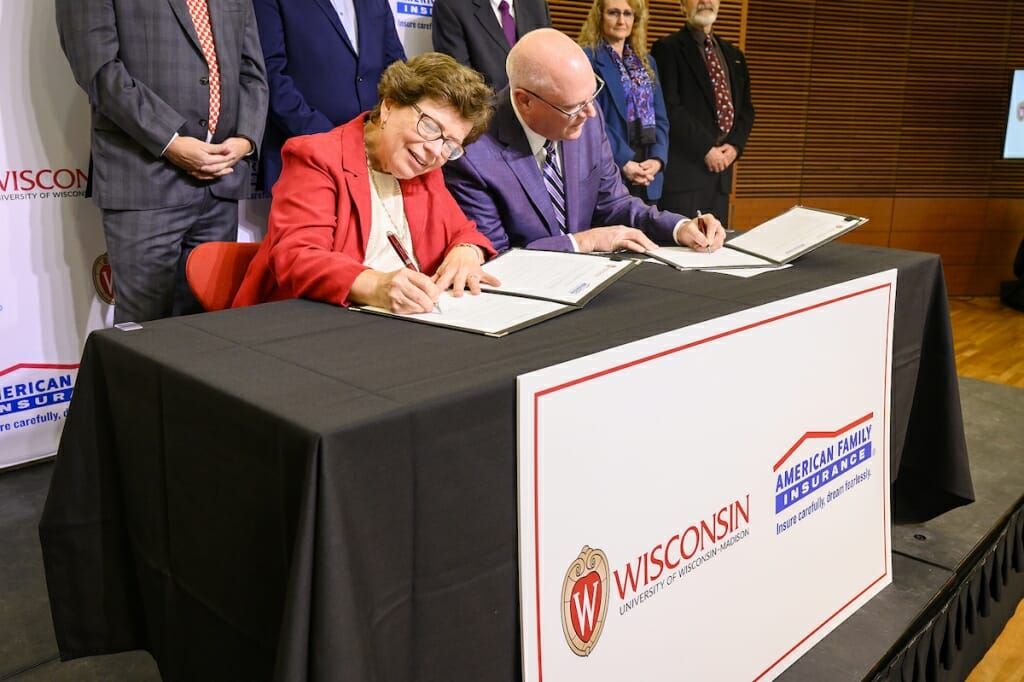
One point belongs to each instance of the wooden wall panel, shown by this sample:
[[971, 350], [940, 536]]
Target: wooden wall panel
[[895, 111]]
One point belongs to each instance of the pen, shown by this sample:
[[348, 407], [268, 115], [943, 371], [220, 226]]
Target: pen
[[703, 229], [404, 256]]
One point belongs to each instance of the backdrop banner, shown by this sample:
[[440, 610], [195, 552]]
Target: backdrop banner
[[54, 286]]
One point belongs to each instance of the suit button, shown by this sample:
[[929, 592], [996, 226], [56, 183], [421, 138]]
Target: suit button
[[203, 122], [204, 81], [359, 79]]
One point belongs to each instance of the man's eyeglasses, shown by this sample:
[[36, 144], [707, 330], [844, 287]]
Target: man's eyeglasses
[[626, 14], [431, 131], [573, 113]]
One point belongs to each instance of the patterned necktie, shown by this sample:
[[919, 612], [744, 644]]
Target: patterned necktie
[[554, 184], [201, 18], [508, 24], [723, 98]]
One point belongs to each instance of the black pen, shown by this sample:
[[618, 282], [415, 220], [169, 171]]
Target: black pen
[[405, 258]]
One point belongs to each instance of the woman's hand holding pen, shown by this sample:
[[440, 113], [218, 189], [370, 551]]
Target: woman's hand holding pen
[[461, 270], [401, 291], [703, 233]]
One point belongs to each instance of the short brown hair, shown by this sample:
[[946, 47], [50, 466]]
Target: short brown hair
[[437, 76]]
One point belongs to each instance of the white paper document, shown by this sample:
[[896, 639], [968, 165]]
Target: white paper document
[[535, 286], [487, 313], [572, 278], [794, 233]]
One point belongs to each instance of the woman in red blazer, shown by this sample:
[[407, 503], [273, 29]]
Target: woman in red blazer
[[361, 214]]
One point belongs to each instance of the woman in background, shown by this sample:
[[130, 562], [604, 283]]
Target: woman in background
[[361, 214], [614, 36]]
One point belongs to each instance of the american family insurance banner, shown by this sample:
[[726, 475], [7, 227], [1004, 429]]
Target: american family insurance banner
[[709, 503]]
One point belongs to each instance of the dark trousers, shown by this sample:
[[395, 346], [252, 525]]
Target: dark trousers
[[148, 249]]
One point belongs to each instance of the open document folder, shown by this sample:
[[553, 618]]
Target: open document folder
[[792, 234], [535, 286]]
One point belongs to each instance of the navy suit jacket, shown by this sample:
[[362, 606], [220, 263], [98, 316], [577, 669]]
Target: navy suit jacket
[[690, 98], [612, 101], [499, 185], [317, 81]]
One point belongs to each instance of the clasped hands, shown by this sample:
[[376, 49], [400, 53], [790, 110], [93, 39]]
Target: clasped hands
[[205, 160], [719, 158], [407, 291], [641, 172]]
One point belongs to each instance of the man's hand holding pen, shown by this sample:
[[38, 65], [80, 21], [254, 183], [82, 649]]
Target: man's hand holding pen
[[703, 233]]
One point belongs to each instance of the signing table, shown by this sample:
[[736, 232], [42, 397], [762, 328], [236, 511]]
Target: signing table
[[295, 491]]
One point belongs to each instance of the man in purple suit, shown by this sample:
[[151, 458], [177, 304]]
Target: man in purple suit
[[542, 178]]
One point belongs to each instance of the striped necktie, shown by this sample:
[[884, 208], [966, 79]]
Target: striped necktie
[[554, 183]]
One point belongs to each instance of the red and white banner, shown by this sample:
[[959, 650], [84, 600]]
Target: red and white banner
[[709, 503], [52, 285]]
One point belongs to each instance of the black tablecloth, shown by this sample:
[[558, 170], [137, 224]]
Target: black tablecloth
[[298, 491]]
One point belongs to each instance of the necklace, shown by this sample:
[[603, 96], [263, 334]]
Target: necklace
[[402, 229]]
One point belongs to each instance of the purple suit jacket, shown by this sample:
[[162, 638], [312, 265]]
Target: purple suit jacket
[[498, 184]]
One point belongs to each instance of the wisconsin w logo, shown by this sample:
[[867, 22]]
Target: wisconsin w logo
[[585, 600]]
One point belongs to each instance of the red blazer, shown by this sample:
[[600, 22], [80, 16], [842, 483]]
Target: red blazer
[[320, 221]]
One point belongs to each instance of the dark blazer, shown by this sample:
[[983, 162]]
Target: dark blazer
[[140, 64], [612, 101], [469, 31], [316, 79], [499, 185], [689, 98]]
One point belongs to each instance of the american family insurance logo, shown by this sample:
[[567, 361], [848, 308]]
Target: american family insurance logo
[[819, 468], [31, 395], [588, 586], [42, 183], [415, 8]]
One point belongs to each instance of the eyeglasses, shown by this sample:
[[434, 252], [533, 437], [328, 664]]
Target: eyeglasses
[[431, 131], [573, 113], [616, 13]]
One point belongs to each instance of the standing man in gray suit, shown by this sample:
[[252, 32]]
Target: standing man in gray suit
[[479, 33], [178, 93]]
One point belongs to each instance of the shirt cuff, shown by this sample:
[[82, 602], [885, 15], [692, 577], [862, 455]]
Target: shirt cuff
[[164, 151], [572, 240], [676, 229]]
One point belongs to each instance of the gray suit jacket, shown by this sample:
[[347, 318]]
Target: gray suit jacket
[[140, 63], [469, 31]]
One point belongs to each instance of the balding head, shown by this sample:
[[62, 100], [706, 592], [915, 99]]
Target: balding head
[[545, 59], [548, 73]]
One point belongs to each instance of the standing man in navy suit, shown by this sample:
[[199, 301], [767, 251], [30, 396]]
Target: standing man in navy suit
[[324, 59], [479, 33], [543, 177]]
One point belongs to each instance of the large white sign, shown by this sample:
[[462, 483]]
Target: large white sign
[[709, 503]]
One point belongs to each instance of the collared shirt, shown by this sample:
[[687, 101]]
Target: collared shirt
[[497, 12], [346, 10]]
